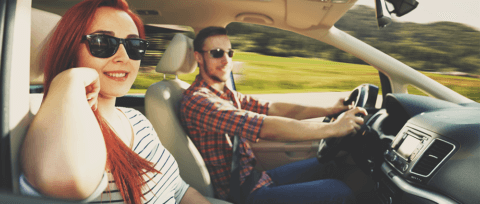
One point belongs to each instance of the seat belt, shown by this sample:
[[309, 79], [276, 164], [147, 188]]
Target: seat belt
[[236, 153], [235, 190], [238, 194], [235, 167]]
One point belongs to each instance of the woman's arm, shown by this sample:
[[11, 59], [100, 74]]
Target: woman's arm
[[193, 196], [64, 153]]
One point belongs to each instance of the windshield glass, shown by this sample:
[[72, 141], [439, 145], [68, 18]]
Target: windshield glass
[[270, 60], [441, 39]]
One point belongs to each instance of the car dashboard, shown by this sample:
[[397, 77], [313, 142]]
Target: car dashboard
[[426, 150]]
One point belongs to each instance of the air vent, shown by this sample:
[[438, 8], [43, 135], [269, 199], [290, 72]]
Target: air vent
[[432, 157]]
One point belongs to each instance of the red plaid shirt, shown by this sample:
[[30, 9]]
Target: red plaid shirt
[[211, 119]]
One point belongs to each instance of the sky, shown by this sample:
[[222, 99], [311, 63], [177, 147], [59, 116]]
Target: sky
[[427, 11]]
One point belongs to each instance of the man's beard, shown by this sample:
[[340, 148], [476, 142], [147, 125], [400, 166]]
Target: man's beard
[[213, 77]]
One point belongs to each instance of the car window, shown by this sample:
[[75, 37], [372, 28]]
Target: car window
[[463, 83], [270, 60], [445, 51]]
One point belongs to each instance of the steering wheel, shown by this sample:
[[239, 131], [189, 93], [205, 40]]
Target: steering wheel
[[364, 96]]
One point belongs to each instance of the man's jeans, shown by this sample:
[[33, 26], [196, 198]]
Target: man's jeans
[[301, 182]]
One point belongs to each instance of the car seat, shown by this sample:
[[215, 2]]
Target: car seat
[[162, 103], [42, 25]]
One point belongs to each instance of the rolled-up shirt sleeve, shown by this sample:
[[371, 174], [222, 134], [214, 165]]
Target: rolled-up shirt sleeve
[[253, 104], [212, 114]]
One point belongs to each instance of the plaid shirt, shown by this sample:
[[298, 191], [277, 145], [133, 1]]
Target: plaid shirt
[[211, 118]]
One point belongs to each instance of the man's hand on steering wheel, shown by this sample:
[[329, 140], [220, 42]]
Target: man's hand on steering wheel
[[349, 122], [339, 107]]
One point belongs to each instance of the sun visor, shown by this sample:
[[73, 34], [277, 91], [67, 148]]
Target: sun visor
[[307, 14]]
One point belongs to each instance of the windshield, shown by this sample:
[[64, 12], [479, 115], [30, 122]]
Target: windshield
[[448, 52], [270, 60]]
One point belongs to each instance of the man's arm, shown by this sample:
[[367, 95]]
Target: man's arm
[[286, 129], [301, 112], [193, 196]]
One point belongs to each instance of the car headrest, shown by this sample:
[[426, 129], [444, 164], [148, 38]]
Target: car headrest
[[43, 25], [178, 58]]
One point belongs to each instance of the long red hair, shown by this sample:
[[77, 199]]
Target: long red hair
[[61, 51]]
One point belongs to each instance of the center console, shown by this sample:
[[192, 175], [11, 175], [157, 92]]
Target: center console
[[412, 159]]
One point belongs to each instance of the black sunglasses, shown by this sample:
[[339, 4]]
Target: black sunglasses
[[105, 46], [218, 53]]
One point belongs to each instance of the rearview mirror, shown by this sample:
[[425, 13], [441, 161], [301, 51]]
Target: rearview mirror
[[401, 7], [382, 13]]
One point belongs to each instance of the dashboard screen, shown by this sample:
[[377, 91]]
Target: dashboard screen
[[408, 146]]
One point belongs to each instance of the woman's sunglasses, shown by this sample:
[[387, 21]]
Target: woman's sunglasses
[[218, 53], [105, 46]]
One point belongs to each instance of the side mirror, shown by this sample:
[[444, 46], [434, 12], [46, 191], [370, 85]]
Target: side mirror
[[382, 13]]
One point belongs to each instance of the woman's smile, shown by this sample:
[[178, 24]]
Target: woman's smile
[[117, 75]]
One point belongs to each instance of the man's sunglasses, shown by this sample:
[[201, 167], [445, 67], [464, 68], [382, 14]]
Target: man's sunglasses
[[105, 46], [218, 53]]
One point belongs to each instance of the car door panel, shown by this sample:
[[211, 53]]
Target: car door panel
[[274, 154]]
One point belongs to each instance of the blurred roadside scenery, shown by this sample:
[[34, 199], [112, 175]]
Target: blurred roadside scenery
[[278, 61]]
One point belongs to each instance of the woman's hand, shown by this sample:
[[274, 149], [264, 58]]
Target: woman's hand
[[92, 88], [82, 76]]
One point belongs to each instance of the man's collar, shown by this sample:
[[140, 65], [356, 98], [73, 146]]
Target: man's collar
[[202, 83]]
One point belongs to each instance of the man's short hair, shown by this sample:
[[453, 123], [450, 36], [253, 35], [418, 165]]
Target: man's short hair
[[204, 34]]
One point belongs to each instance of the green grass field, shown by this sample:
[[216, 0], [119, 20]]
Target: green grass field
[[266, 74]]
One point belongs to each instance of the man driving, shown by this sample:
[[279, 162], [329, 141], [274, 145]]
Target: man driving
[[220, 120]]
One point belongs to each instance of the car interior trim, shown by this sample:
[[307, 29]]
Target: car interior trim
[[386, 86], [407, 188], [7, 14]]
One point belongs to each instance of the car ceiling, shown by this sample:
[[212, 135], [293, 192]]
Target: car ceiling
[[295, 15]]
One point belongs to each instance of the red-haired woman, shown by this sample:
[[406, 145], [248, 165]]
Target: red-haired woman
[[110, 154]]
